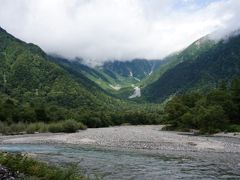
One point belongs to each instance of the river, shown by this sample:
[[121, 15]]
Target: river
[[134, 152]]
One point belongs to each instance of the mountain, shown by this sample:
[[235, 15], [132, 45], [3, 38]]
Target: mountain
[[136, 68], [190, 53], [126, 75], [116, 77], [36, 87], [30, 75], [199, 66]]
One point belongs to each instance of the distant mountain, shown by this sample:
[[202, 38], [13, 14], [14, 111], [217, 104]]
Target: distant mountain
[[116, 77], [137, 68], [126, 75], [199, 66]]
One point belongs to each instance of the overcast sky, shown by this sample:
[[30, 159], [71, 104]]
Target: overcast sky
[[100, 30]]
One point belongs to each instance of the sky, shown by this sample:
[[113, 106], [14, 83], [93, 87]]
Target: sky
[[102, 30]]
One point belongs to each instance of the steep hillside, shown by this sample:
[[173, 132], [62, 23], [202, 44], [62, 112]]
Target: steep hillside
[[138, 68], [122, 75], [190, 53], [198, 69], [28, 75], [126, 75]]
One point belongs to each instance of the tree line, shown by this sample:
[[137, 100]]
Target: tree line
[[17, 116]]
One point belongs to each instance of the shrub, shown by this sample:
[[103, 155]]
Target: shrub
[[35, 169], [81, 126], [71, 126], [17, 128], [68, 126], [36, 127], [42, 127], [4, 128], [31, 129], [55, 127]]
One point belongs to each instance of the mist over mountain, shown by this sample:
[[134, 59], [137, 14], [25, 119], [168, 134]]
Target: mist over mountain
[[200, 66], [29, 75], [98, 31]]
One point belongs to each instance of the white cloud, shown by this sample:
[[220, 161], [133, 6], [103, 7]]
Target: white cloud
[[99, 30]]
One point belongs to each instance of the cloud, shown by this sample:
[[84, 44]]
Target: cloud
[[230, 25], [100, 30]]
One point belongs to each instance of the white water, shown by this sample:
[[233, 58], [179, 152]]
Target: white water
[[150, 73], [137, 79], [131, 74], [117, 87], [136, 93]]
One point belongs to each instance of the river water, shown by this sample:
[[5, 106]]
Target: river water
[[115, 164]]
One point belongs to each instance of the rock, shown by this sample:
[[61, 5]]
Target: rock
[[6, 174], [2, 170]]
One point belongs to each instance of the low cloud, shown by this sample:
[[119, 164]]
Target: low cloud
[[100, 30]]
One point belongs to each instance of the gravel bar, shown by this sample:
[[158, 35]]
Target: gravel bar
[[150, 137]]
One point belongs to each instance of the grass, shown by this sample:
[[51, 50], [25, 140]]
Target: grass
[[37, 170], [67, 126]]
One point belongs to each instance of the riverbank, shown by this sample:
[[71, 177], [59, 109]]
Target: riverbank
[[22, 166], [150, 138]]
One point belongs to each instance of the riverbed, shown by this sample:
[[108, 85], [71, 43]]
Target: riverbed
[[135, 152]]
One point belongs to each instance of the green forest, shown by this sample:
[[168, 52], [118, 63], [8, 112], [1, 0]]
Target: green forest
[[216, 110], [17, 117], [42, 93]]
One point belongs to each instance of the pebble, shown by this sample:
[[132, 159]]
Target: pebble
[[135, 137]]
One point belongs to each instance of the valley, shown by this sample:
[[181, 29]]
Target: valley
[[38, 90], [116, 77], [142, 106]]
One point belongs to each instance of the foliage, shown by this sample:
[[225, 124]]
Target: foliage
[[68, 126], [35, 169], [217, 110]]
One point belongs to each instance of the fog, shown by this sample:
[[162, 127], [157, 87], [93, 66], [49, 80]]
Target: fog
[[101, 30]]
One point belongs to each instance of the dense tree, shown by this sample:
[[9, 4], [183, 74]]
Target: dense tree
[[209, 112]]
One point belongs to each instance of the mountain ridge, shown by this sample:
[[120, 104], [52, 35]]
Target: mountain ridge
[[201, 71], [28, 71]]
